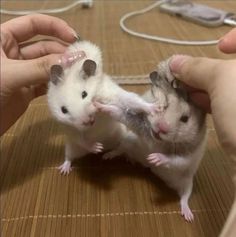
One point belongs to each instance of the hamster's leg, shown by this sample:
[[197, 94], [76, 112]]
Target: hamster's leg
[[184, 185], [114, 153], [184, 193], [72, 151], [132, 101]]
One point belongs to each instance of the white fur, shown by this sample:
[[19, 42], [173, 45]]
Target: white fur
[[176, 169], [81, 138]]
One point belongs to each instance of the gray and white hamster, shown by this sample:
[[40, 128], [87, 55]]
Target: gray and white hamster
[[172, 142], [71, 93]]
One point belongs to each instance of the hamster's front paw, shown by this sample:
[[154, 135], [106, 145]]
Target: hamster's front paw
[[65, 168], [150, 109], [97, 148], [158, 159]]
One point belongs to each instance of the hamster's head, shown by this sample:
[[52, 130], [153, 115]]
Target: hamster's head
[[81, 50], [71, 93], [180, 121]]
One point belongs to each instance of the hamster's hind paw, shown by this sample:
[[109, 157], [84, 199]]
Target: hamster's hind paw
[[187, 213], [157, 159], [65, 168], [110, 155], [97, 148]]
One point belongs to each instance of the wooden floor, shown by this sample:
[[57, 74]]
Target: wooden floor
[[109, 198]]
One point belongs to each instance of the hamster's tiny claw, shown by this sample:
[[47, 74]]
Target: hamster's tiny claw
[[97, 148], [97, 105], [151, 110], [65, 168], [157, 159], [187, 214], [147, 108]]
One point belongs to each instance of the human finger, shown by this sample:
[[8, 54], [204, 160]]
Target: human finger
[[41, 48], [25, 27], [28, 72], [228, 43], [195, 72], [202, 100]]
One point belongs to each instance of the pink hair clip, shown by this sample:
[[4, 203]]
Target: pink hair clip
[[69, 58]]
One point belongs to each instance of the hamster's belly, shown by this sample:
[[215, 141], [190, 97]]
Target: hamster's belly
[[104, 130], [136, 149]]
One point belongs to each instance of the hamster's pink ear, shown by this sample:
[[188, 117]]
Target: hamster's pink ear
[[56, 74], [89, 67]]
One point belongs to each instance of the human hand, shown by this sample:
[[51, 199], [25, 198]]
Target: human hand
[[25, 67], [213, 85], [227, 43]]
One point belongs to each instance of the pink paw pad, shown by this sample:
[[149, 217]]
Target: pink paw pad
[[157, 159], [65, 168], [187, 214], [97, 148]]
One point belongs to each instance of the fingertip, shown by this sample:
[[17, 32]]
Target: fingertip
[[176, 63], [226, 45], [223, 44], [227, 42]]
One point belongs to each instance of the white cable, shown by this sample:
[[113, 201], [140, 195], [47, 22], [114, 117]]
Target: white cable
[[157, 38], [125, 80], [132, 79], [122, 21], [46, 11]]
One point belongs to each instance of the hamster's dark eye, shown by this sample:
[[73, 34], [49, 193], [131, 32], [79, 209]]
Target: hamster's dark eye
[[64, 110], [84, 94], [184, 118]]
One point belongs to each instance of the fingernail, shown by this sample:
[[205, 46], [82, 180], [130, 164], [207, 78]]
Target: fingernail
[[176, 62], [75, 34]]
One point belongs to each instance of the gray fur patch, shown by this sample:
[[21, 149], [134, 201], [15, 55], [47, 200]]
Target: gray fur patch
[[56, 74]]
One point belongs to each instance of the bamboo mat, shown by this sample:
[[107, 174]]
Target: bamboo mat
[[108, 198]]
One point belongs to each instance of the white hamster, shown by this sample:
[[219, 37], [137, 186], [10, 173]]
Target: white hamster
[[71, 92], [172, 142]]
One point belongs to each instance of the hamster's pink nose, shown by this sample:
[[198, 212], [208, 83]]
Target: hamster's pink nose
[[163, 127]]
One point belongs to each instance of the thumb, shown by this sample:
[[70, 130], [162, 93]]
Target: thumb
[[19, 73], [196, 72], [227, 43]]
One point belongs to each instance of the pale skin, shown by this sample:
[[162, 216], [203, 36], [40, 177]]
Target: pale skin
[[32, 62], [25, 67], [213, 84]]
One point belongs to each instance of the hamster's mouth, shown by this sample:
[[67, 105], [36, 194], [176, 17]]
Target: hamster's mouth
[[89, 123], [156, 135]]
